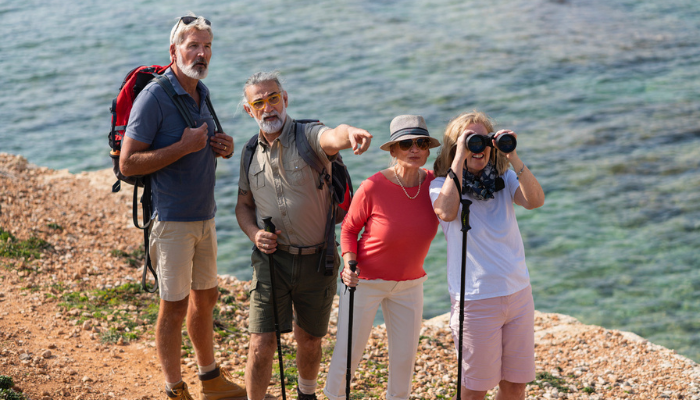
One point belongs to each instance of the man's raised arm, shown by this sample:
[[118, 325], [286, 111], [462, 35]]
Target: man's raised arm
[[345, 137]]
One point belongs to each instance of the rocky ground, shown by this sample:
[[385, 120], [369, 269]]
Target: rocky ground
[[74, 324]]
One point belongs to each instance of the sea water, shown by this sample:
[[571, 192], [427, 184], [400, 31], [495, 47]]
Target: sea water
[[604, 96]]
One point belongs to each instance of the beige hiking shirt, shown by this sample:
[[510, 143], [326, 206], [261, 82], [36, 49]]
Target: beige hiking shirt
[[284, 187]]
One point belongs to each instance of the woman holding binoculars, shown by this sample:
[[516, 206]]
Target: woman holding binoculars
[[498, 339]]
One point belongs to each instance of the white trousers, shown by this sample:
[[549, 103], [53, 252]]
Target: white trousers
[[402, 306]]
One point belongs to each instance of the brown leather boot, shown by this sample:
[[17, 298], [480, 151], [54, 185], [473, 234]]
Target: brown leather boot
[[218, 385], [179, 392]]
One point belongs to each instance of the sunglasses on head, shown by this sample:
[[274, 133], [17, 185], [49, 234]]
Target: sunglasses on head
[[190, 19], [421, 143], [272, 99]]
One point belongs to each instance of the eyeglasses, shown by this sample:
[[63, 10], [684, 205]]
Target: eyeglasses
[[273, 99], [421, 143], [188, 19]]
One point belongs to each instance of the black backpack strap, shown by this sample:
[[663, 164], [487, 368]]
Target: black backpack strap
[[248, 152], [147, 266], [147, 209], [164, 82], [308, 154], [329, 251], [146, 205], [310, 157], [213, 114]]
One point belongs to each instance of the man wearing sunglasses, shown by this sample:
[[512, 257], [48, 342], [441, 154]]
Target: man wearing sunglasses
[[281, 185], [181, 163]]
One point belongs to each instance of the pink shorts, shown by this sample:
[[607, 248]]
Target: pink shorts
[[499, 340]]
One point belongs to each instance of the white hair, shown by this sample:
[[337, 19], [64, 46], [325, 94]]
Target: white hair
[[177, 34], [261, 77]]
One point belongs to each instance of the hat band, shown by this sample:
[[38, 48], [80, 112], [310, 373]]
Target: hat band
[[408, 131]]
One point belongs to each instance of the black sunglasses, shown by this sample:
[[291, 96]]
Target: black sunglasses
[[190, 19], [421, 143]]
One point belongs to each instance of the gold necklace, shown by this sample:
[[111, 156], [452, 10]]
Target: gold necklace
[[401, 184]]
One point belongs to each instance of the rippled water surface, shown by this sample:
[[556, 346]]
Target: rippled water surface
[[604, 96]]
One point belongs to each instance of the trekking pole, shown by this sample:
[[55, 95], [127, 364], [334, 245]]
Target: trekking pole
[[465, 228], [270, 227], [348, 374]]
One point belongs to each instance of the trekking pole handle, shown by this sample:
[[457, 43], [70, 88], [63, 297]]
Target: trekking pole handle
[[269, 226], [353, 267]]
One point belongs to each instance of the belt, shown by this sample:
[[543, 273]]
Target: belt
[[301, 251]]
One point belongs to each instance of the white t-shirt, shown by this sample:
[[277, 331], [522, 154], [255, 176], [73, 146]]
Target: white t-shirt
[[495, 252]]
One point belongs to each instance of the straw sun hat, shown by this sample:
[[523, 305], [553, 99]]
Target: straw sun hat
[[408, 127]]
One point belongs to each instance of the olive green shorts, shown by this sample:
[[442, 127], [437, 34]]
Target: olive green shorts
[[298, 285]]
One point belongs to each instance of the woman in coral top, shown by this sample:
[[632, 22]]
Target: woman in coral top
[[393, 207]]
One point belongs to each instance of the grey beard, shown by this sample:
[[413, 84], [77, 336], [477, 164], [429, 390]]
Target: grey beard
[[190, 71], [273, 126]]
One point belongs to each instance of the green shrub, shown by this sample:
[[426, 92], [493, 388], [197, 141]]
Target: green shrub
[[9, 394], [55, 226], [558, 383], [6, 392], [134, 258], [12, 248], [6, 382], [110, 336]]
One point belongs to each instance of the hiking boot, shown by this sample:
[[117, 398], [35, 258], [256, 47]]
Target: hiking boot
[[303, 396], [218, 385], [179, 392]]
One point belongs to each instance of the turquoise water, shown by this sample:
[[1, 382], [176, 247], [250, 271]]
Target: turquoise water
[[603, 94]]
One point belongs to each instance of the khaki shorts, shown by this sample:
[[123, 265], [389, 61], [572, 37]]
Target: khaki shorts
[[184, 256], [298, 285]]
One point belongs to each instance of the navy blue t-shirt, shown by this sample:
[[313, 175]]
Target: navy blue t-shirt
[[184, 190]]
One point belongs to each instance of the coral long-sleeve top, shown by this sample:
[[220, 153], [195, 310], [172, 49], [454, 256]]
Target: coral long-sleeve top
[[397, 230]]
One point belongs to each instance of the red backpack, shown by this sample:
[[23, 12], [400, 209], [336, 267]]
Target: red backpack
[[132, 85]]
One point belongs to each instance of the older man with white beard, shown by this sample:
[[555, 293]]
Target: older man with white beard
[[181, 163], [280, 184]]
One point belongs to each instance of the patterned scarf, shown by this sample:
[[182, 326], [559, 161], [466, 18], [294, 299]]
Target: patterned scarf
[[484, 186]]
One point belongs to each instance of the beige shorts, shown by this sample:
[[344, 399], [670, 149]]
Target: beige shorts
[[184, 256], [499, 340]]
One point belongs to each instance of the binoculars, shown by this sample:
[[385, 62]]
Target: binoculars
[[477, 143]]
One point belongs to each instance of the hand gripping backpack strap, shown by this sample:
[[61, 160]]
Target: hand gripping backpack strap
[[310, 157], [165, 83]]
